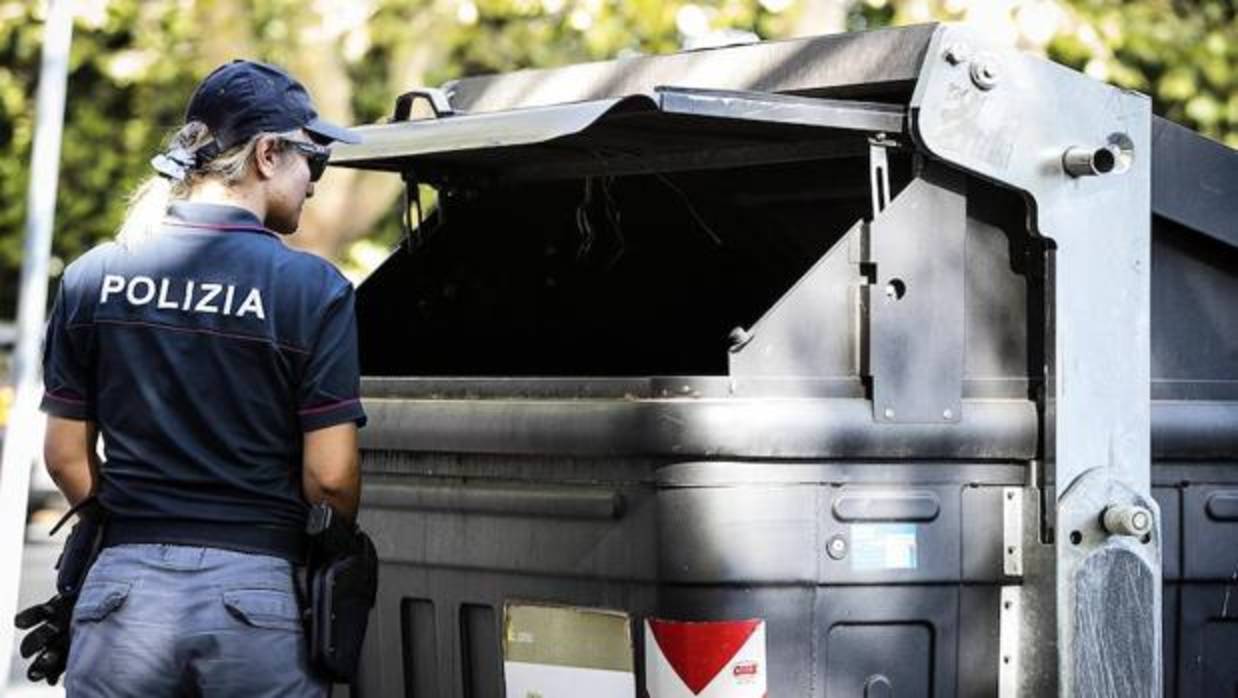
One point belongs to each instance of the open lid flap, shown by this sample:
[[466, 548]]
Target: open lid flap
[[554, 140]]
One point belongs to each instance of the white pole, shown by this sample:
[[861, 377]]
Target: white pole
[[23, 437]]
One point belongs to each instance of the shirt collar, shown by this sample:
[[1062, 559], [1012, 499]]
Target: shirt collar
[[215, 216]]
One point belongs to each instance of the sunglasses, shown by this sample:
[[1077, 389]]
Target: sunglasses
[[316, 156]]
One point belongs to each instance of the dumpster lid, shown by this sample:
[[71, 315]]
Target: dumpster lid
[[881, 63], [670, 120]]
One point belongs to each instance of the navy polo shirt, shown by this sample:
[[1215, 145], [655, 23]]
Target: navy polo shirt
[[203, 355]]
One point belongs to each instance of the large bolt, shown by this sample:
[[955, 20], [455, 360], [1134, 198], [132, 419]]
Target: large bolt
[[1127, 520], [984, 72]]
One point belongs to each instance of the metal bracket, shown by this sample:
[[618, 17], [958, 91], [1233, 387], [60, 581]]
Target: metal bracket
[[915, 304], [1012, 531], [1010, 633], [879, 173]]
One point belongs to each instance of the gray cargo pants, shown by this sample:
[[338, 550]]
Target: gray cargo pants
[[174, 620]]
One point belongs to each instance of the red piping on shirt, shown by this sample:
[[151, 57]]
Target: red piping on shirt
[[329, 406], [213, 226], [201, 330], [61, 398]]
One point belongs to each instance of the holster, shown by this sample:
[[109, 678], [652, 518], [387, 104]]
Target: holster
[[81, 547], [343, 583]]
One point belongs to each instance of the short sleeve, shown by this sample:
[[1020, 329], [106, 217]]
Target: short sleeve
[[68, 374], [331, 384]]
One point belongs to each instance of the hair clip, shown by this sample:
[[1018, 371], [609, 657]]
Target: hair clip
[[174, 164]]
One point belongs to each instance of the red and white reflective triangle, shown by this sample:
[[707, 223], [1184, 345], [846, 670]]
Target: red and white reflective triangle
[[717, 659]]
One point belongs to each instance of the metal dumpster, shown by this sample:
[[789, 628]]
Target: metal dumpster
[[879, 364]]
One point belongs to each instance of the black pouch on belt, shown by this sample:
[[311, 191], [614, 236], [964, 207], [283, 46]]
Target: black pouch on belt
[[343, 583]]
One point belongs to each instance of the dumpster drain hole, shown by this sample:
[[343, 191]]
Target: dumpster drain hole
[[1076, 538], [896, 289]]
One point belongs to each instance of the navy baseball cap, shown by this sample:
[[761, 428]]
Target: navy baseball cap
[[243, 98]]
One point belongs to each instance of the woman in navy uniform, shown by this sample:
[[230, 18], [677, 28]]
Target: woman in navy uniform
[[220, 368]]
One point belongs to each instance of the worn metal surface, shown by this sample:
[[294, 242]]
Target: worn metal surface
[[1098, 411], [870, 62], [915, 304], [478, 498], [597, 416], [738, 427], [1111, 587], [1114, 638]]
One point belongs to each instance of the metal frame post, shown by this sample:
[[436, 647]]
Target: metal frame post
[[1028, 124]]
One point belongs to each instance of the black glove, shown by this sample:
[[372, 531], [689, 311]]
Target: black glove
[[50, 640]]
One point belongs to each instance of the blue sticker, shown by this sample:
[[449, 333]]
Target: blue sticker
[[883, 547]]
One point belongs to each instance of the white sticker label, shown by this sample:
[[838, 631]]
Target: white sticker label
[[883, 547]]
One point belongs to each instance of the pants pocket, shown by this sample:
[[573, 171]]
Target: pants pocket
[[98, 600], [264, 608]]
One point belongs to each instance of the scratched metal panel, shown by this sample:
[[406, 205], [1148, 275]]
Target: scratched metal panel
[[1113, 640]]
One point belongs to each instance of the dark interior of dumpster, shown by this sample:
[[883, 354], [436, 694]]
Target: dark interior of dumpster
[[578, 270]]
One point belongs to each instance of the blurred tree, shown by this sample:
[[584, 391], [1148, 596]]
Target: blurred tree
[[135, 62]]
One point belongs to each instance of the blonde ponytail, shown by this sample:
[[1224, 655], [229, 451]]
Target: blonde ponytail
[[148, 205]]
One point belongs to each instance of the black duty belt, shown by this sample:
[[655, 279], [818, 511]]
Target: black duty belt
[[288, 543]]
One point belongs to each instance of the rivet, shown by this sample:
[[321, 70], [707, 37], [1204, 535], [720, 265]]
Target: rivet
[[837, 547]]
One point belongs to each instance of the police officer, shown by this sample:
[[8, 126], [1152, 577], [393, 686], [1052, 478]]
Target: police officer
[[220, 368]]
